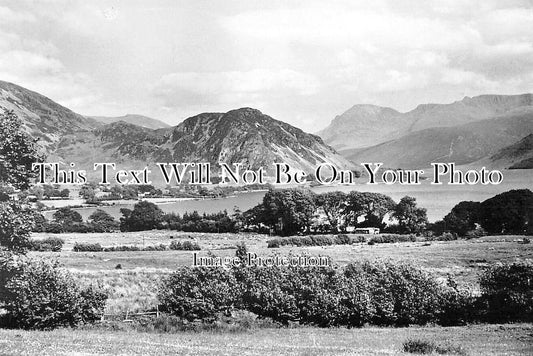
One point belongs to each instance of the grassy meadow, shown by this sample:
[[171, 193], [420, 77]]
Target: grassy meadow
[[473, 340], [133, 288]]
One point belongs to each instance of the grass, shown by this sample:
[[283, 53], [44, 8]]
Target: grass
[[476, 340], [461, 258], [134, 287]]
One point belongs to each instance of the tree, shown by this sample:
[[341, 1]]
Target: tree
[[289, 211], [372, 206], [16, 223], [144, 216], [17, 152], [67, 217], [509, 213], [411, 219], [102, 221], [463, 217], [333, 204], [88, 192]]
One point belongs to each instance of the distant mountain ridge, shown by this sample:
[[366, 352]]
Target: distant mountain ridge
[[139, 120], [461, 144], [368, 125]]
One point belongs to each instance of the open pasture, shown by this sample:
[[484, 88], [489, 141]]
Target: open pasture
[[474, 340]]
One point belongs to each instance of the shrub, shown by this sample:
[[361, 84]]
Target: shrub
[[184, 246], [160, 247], [392, 238], [417, 346], [402, 293], [274, 243], [39, 294], [53, 244], [457, 306], [53, 228], [121, 248], [508, 292], [199, 293], [446, 236], [314, 240], [342, 240], [423, 347], [477, 232], [381, 293], [87, 247]]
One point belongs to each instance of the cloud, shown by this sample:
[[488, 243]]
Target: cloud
[[235, 87], [301, 62], [33, 63]]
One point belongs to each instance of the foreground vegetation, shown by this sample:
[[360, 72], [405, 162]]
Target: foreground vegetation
[[511, 340]]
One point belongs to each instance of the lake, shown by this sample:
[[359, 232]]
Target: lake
[[437, 199]]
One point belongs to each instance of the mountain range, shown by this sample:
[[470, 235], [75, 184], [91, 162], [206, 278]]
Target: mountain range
[[368, 125], [490, 130], [471, 130], [244, 136]]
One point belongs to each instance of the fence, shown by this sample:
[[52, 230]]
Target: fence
[[128, 317]]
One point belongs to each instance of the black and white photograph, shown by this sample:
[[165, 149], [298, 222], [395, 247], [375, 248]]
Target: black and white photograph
[[253, 177]]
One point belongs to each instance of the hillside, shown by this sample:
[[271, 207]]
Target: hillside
[[42, 117], [368, 125], [516, 156], [244, 136], [139, 120], [460, 144]]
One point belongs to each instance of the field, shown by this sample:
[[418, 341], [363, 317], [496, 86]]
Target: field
[[475, 340], [133, 288]]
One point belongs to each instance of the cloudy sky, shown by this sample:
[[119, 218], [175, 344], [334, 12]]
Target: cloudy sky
[[302, 62]]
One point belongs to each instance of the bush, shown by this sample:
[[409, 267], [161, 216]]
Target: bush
[[313, 240], [184, 246], [417, 346], [423, 347], [446, 236], [39, 294], [402, 293], [87, 247], [392, 238], [50, 244], [508, 292], [199, 293], [477, 232], [380, 293]]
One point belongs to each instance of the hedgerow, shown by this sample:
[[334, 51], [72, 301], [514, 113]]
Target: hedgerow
[[391, 238], [381, 293], [314, 240], [376, 293], [50, 244], [96, 247]]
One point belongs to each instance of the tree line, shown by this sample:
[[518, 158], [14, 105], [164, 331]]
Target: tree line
[[295, 211]]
